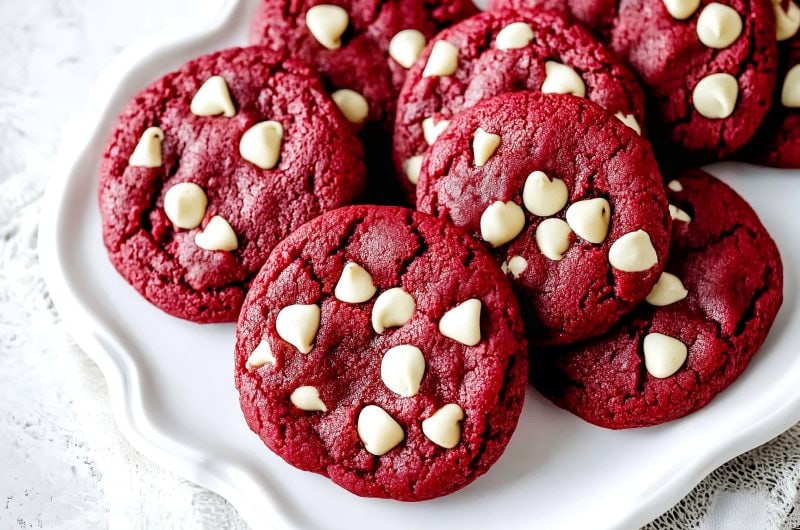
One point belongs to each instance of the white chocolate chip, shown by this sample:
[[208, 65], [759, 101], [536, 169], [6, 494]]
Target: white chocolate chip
[[412, 167], [552, 238], [718, 25], [185, 205], [678, 214], [633, 252], [542, 196], [261, 144], [147, 152], [352, 104], [675, 185], [561, 79], [379, 432], [515, 266], [484, 144], [630, 121], [307, 398], [444, 427], [406, 46], [327, 23], [402, 369], [431, 130], [667, 290], [217, 235], [213, 98], [392, 308], [501, 222], [298, 325], [589, 219], [260, 356], [786, 22], [790, 93], [463, 323], [715, 96], [663, 355], [514, 36], [355, 285], [442, 61], [681, 9]]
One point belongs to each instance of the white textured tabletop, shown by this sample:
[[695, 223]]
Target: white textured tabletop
[[63, 462]]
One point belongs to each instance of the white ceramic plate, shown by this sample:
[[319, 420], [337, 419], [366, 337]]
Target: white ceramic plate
[[172, 392]]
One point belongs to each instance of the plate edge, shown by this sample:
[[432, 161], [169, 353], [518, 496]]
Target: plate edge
[[122, 394]]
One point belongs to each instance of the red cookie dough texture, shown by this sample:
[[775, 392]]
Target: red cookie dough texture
[[365, 46], [505, 51], [384, 349], [570, 199], [362, 49], [708, 66], [708, 315], [597, 15], [709, 70], [209, 167], [778, 142]]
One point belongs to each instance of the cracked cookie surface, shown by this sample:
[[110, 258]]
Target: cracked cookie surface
[[173, 133], [778, 141], [568, 148], [497, 53], [660, 40], [731, 276], [382, 38], [362, 60], [456, 310], [672, 61], [594, 14]]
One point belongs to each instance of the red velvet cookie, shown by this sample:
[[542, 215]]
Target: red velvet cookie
[[708, 314], [362, 45], [498, 52], [569, 197], [778, 142], [597, 15], [382, 348], [362, 49], [209, 167], [710, 69], [560, 6]]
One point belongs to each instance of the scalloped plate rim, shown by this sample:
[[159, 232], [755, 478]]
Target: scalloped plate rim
[[121, 370]]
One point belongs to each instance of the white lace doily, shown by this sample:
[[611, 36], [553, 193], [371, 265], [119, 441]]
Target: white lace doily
[[63, 462]]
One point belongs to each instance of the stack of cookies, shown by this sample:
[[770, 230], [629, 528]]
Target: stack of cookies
[[560, 234]]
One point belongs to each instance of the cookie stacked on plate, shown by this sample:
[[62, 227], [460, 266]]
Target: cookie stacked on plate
[[208, 168], [701, 323], [718, 75], [389, 348]]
